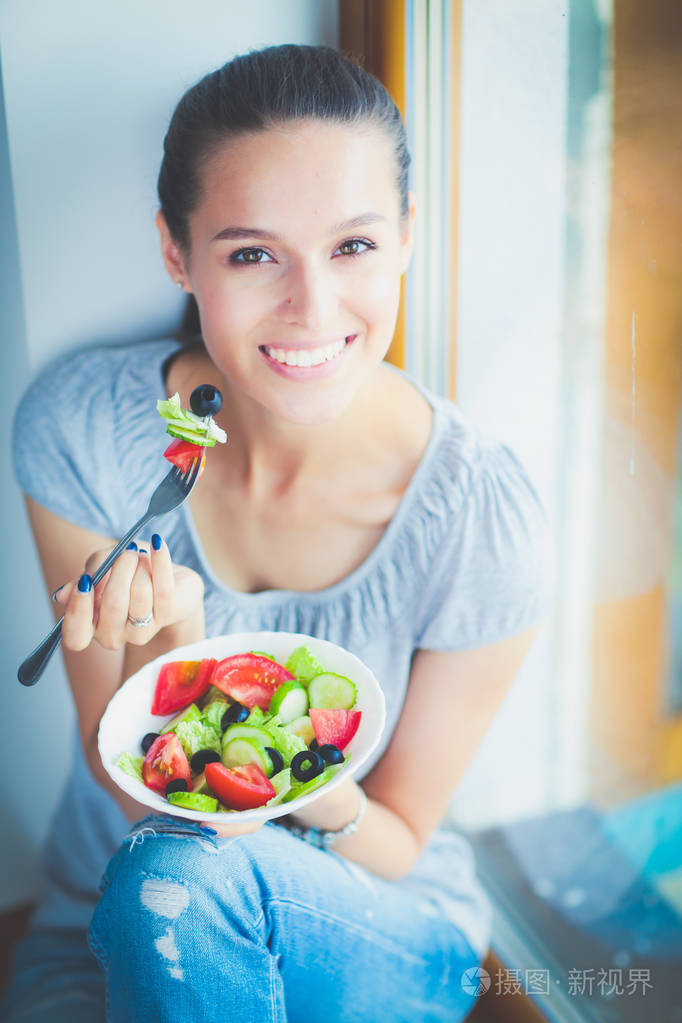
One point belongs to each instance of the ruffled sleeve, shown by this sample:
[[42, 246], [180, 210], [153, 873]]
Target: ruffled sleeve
[[493, 568], [63, 442]]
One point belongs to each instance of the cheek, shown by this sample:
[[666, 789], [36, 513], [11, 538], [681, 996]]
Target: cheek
[[379, 294], [225, 310]]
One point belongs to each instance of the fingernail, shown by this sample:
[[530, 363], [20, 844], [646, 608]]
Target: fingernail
[[132, 546], [54, 595], [209, 831], [85, 583], [143, 550], [156, 541]]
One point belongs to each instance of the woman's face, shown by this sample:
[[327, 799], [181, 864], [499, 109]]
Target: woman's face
[[297, 248]]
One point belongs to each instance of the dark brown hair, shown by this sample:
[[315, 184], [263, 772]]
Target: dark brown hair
[[257, 91]]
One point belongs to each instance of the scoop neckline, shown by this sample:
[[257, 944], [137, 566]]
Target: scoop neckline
[[357, 575]]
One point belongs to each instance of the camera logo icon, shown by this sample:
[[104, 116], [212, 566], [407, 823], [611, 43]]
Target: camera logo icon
[[475, 981]]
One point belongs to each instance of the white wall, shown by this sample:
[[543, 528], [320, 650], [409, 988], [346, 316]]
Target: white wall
[[88, 91]]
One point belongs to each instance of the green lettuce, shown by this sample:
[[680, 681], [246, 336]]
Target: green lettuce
[[195, 735], [303, 664]]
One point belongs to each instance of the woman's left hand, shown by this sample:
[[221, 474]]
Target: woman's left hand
[[232, 830]]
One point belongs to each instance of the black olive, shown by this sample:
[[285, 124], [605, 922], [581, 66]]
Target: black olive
[[306, 765], [201, 758], [177, 785], [277, 759], [331, 754], [147, 740], [235, 713], [314, 745], [205, 400]]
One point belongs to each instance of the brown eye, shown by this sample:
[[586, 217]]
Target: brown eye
[[252, 255], [354, 247]]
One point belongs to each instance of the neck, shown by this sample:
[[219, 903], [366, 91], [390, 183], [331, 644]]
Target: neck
[[268, 455]]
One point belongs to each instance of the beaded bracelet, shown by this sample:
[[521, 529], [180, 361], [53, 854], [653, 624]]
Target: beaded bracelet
[[324, 839]]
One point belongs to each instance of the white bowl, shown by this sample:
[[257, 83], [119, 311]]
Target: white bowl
[[128, 718]]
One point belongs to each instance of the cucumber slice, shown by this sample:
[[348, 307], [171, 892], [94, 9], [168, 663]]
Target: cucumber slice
[[191, 713], [194, 801], [302, 727], [289, 701], [186, 433], [330, 691], [250, 732], [307, 786], [247, 751]]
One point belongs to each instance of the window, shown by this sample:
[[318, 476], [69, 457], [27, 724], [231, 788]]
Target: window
[[546, 299]]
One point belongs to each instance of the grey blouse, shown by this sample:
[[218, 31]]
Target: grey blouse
[[465, 561]]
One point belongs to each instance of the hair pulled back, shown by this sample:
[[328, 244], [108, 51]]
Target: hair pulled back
[[257, 91]]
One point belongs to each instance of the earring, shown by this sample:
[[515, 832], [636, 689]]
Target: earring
[[179, 283]]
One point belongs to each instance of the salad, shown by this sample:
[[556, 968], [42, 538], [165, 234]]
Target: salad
[[245, 731], [192, 429]]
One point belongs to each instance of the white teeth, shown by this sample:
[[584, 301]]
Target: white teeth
[[306, 358]]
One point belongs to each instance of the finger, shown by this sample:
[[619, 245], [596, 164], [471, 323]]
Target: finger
[[163, 581], [232, 830], [91, 566], [77, 625], [111, 625], [62, 593], [141, 605]]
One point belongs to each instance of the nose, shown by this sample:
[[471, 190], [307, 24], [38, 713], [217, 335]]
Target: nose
[[309, 296]]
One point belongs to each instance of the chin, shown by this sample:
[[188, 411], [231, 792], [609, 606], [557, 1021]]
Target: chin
[[312, 417]]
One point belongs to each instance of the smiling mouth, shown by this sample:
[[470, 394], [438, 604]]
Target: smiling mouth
[[307, 357]]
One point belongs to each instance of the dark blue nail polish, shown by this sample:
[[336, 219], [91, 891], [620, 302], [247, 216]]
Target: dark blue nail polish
[[132, 546], [156, 541], [85, 583], [209, 831], [54, 595]]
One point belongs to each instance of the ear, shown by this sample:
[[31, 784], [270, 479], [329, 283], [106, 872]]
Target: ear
[[172, 255]]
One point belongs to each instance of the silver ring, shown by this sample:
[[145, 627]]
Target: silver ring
[[139, 623]]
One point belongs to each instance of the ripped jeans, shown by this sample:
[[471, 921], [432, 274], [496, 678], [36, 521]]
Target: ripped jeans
[[263, 928]]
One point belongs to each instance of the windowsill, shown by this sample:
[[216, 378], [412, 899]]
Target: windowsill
[[570, 905]]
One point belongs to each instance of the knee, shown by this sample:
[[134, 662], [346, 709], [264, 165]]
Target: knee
[[171, 890]]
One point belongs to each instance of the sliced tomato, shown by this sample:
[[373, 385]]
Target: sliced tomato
[[249, 678], [165, 761], [182, 453], [240, 788], [335, 726], [181, 683]]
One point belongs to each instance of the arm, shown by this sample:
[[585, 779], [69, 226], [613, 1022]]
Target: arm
[[450, 703], [95, 671]]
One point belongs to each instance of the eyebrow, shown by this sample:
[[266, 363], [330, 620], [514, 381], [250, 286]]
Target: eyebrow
[[233, 233]]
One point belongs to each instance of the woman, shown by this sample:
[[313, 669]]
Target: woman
[[350, 504]]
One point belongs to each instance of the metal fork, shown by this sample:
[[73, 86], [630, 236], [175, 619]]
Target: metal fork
[[171, 492]]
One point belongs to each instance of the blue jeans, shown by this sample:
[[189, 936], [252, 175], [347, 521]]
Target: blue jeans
[[259, 929]]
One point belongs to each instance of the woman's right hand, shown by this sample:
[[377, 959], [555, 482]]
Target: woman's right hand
[[139, 583]]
